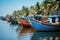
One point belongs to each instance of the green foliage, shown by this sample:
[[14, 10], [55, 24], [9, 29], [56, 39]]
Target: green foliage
[[50, 5], [37, 6]]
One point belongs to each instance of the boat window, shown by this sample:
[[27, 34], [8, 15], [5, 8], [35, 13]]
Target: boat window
[[53, 19]]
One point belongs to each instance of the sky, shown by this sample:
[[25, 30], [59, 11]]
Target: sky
[[9, 6]]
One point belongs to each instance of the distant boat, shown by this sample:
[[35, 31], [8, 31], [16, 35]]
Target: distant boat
[[25, 23], [2, 18], [41, 26], [12, 20]]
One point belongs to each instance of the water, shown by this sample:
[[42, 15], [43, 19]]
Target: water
[[8, 32], [45, 36]]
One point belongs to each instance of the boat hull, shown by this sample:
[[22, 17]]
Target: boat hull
[[41, 27], [25, 24]]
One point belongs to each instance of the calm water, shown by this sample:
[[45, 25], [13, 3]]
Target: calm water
[[8, 32]]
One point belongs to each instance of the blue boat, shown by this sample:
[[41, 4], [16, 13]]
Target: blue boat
[[41, 26]]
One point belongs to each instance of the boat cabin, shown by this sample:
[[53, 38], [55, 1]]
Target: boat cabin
[[54, 19]]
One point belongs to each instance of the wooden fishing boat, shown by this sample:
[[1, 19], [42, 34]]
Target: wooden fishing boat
[[24, 23], [41, 26]]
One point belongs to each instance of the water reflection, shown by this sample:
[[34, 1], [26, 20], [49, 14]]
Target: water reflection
[[45, 35], [16, 32], [30, 34], [26, 34], [6, 33]]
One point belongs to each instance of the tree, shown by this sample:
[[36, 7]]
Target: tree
[[37, 6], [27, 11], [23, 7]]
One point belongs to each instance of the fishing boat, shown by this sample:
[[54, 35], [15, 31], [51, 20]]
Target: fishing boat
[[25, 23], [2, 18], [46, 26]]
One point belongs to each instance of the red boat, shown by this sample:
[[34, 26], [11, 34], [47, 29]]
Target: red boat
[[24, 23]]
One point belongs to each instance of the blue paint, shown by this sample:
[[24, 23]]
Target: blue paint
[[29, 19], [50, 19], [57, 19], [38, 26]]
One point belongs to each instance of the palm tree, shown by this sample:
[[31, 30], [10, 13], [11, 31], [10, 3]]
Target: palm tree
[[8, 15], [51, 5], [22, 11], [38, 8], [18, 12], [33, 10], [27, 11], [24, 8], [14, 13]]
